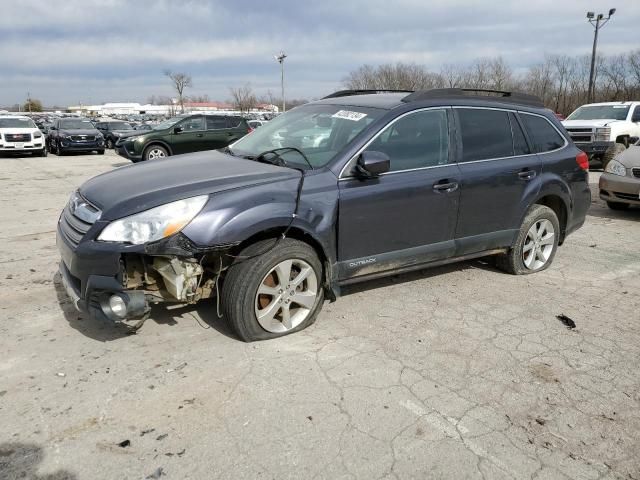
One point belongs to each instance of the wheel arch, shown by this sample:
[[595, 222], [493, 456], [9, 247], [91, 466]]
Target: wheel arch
[[161, 143], [561, 209]]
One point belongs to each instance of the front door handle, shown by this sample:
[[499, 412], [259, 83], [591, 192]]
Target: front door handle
[[444, 186], [199, 135], [527, 174]]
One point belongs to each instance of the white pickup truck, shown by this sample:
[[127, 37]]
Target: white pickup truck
[[604, 130]]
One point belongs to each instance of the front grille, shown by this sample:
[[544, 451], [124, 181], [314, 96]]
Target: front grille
[[83, 138], [74, 225], [581, 135], [17, 137], [636, 172], [627, 196]]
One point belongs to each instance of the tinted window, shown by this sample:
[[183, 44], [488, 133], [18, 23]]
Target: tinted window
[[216, 123], [520, 146], [193, 123], [234, 122], [417, 140], [485, 134], [545, 138], [636, 114]]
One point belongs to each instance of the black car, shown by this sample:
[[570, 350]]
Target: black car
[[74, 135], [355, 186], [183, 134], [112, 131]]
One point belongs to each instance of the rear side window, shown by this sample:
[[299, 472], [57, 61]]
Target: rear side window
[[216, 123], [485, 134], [234, 122], [545, 137], [520, 146], [417, 140]]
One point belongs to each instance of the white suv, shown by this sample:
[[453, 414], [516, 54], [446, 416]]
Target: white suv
[[19, 134], [604, 130]]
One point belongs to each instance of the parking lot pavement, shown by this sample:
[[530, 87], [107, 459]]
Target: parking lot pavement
[[456, 372]]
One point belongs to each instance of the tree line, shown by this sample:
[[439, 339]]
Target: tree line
[[561, 81]]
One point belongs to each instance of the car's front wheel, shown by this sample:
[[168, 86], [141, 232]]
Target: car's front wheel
[[109, 143], [274, 288], [536, 243], [155, 152]]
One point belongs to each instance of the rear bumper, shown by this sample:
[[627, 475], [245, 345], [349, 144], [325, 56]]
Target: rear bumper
[[595, 148], [619, 189]]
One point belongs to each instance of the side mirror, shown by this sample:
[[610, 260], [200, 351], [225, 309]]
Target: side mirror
[[178, 130], [371, 164]]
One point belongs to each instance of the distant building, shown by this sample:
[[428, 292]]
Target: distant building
[[109, 109]]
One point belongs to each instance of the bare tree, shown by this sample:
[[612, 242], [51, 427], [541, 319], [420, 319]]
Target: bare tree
[[401, 76], [198, 98], [243, 98], [180, 81]]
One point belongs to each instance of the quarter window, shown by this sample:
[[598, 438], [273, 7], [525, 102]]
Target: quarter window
[[417, 140], [485, 134], [544, 136]]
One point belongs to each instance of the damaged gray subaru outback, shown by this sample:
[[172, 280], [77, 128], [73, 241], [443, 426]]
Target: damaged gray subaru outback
[[358, 185]]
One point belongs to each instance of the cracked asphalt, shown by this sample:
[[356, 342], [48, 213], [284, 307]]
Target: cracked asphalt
[[456, 372]]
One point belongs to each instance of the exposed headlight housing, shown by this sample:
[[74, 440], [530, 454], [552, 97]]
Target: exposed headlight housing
[[616, 168], [603, 134], [154, 224]]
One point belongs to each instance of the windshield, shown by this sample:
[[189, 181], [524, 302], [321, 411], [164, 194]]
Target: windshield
[[77, 124], [600, 112], [168, 123], [16, 123], [120, 126], [319, 131]]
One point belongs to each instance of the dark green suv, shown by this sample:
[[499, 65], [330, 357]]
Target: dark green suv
[[183, 134]]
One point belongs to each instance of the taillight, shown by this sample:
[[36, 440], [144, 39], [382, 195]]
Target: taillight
[[250, 130], [582, 159]]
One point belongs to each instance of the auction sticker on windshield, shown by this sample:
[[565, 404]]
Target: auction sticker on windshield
[[349, 115]]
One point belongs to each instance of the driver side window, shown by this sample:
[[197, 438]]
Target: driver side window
[[417, 140], [192, 124]]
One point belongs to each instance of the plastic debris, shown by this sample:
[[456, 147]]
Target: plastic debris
[[566, 321]]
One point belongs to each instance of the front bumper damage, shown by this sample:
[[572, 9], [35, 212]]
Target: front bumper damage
[[119, 283]]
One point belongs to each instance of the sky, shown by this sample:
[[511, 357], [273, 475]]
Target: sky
[[91, 52]]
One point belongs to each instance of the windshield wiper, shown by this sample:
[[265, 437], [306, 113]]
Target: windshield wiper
[[276, 158]]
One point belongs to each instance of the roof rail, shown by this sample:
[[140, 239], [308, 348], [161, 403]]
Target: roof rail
[[503, 96], [346, 93]]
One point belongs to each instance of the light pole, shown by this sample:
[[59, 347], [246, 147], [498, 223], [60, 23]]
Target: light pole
[[598, 23], [280, 58]]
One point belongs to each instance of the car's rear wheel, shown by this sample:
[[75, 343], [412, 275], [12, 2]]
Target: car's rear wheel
[[155, 152], [273, 289], [617, 205], [536, 243]]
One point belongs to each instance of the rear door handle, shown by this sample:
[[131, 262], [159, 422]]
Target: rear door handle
[[527, 174], [200, 135], [446, 187]]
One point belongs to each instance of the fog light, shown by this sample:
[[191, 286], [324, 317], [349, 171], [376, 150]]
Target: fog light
[[118, 306]]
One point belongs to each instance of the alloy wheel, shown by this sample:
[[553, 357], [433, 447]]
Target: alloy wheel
[[286, 296], [155, 153], [538, 244]]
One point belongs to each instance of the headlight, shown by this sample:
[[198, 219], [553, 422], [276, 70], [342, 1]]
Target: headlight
[[132, 138], [603, 134], [616, 168], [154, 224], [37, 135]]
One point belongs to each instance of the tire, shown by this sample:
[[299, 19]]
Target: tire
[[109, 143], [612, 153], [100, 152], [59, 150], [617, 205], [518, 261], [154, 152], [268, 262], [43, 152]]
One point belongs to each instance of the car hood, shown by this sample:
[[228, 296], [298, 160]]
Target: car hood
[[128, 190], [630, 158], [588, 123], [71, 131], [123, 132]]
